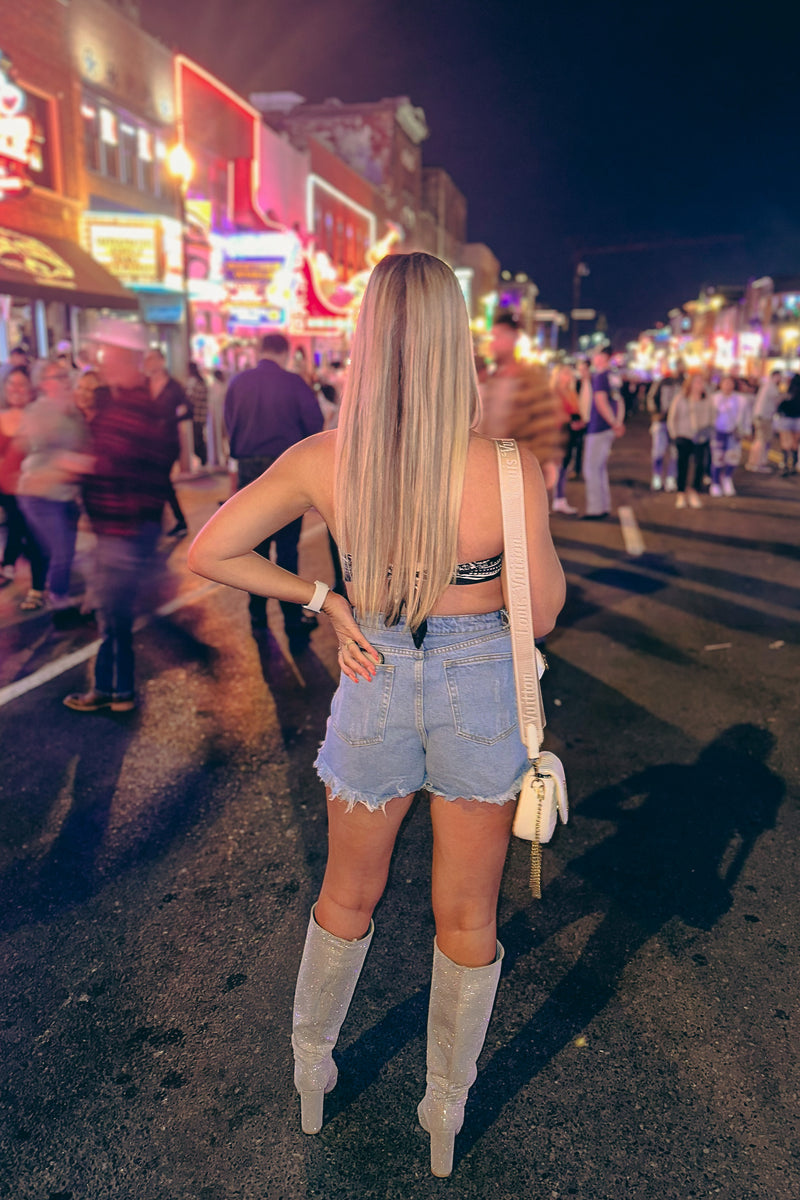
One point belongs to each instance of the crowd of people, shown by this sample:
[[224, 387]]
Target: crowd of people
[[54, 416], [701, 423], [50, 415]]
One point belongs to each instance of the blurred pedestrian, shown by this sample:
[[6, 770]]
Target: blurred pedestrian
[[197, 392], [518, 402], [55, 436], [572, 432], [606, 424], [218, 449], [406, 483], [726, 442], [584, 386], [267, 409], [174, 404], [17, 358], [133, 449], [20, 538], [83, 394], [690, 422], [766, 405], [787, 422], [662, 450]]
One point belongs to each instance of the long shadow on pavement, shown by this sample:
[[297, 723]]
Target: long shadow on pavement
[[675, 827]]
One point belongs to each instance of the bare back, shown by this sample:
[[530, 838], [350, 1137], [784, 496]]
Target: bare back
[[480, 533]]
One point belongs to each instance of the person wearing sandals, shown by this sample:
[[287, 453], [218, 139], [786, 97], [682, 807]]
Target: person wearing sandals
[[411, 493], [20, 538]]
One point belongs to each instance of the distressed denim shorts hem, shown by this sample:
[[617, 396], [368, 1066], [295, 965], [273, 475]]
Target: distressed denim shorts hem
[[505, 797], [352, 796]]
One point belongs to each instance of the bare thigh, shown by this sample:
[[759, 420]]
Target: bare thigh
[[470, 842], [360, 845]]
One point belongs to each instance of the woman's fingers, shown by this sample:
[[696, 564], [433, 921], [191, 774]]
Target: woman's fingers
[[358, 657]]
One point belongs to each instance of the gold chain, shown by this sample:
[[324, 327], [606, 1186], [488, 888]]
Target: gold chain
[[536, 870]]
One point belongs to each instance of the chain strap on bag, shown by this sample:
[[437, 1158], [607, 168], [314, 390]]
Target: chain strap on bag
[[543, 797]]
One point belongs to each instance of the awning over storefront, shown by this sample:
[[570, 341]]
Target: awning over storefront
[[55, 269]]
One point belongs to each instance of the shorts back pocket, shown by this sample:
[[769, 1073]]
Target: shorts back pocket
[[482, 696], [359, 711]]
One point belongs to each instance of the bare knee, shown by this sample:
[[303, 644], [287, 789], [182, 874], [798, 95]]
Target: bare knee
[[467, 933], [345, 908]]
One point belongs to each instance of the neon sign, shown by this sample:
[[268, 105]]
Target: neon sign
[[18, 141]]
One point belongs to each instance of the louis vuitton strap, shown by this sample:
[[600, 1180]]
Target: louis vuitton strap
[[516, 578]]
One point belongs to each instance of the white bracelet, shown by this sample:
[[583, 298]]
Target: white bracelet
[[318, 599]]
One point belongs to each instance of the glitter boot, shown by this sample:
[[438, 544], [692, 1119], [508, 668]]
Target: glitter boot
[[328, 975], [461, 1004]]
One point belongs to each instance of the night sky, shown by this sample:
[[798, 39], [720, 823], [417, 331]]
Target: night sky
[[567, 126]]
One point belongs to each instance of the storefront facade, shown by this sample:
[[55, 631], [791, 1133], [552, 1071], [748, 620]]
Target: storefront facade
[[50, 289], [131, 205]]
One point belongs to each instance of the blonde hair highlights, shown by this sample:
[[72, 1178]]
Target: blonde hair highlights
[[409, 402]]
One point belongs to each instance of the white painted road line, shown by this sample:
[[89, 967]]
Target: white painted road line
[[59, 666]]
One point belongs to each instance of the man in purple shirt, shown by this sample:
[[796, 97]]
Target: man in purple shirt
[[605, 425], [267, 410]]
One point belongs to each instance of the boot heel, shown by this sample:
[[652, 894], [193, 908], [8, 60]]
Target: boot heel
[[442, 1145], [311, 1111]]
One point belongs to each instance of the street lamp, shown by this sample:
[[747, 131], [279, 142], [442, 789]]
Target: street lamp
[[180, 165]]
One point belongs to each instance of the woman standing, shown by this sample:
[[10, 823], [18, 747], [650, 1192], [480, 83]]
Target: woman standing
[[197, 391], [690, 422], [787, 422], [20, 539], [572, 428], [55, 437], [412, 497], [726, 443]]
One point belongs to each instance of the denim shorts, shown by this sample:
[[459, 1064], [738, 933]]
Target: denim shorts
[[787, 424], [442, 718]]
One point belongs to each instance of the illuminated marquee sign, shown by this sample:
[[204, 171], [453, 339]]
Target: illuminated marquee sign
[[131, 252], [259, 280], [142, 252], [19, 137]]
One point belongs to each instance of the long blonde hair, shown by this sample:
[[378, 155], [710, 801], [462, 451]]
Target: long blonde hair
[[408, 404]]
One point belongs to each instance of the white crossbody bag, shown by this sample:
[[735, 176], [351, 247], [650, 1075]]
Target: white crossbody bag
[[543, 798]]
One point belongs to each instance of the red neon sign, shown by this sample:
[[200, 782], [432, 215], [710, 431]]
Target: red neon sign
[[17, 137]]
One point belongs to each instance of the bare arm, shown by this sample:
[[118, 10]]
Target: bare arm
[[548, 587], [607, 410], [223, 549]]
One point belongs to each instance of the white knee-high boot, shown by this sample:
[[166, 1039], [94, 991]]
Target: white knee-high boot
[[461, 1004], [329, 971]]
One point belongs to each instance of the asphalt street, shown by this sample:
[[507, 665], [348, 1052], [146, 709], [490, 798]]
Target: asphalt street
[[158, 868]]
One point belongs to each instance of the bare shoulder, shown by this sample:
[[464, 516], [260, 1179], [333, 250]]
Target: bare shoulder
[[483, 455], [314, 451], [310, 465], [530, 463], [482, 451]]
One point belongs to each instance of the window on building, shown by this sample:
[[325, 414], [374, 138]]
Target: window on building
[[161, 177], [91, 135], [128, 154], [144, 150], [109, 138]]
